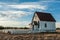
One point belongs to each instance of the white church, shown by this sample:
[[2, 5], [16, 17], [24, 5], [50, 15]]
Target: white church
[[43, 22]]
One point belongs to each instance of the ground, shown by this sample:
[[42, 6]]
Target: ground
[[36, 36]]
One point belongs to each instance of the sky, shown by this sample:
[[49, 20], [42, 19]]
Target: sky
[[19, 13]]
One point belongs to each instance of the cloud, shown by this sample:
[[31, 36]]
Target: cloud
[[9, 1], [22, 1], [13, 23], [31, 6], [5, 7], [28, 7], [13, 14], [9, 18], [58, 24]]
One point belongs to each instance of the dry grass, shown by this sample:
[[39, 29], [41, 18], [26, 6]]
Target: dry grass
[[37, 36]]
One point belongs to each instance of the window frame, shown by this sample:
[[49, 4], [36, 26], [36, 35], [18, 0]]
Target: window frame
[[45, 25], [38, 24]]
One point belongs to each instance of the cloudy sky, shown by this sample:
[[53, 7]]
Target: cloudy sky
[[20, 12]]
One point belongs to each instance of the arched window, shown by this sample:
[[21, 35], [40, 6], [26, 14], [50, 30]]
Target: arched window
[[45, 25], [33, 27]]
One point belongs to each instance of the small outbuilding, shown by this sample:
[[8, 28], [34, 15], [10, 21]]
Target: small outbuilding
[[43, 22]]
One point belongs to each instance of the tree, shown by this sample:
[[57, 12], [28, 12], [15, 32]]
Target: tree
[[1, 27]]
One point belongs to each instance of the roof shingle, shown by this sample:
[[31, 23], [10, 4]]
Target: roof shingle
[[45, 16]]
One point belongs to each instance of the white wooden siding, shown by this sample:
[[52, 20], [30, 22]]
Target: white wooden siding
[[50, 26]]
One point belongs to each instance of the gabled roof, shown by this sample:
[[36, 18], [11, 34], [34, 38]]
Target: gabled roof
[[45, 16]]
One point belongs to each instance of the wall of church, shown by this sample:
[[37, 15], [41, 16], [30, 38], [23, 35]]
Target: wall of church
[[46, 26]]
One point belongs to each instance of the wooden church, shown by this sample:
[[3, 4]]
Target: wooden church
[[43, 22]]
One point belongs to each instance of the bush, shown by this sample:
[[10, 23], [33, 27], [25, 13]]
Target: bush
[[26, 28], [1, 27]]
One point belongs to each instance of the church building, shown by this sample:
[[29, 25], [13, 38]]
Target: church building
[[43, 22]]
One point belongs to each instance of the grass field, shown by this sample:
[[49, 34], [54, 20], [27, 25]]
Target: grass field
[[36, 36]]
